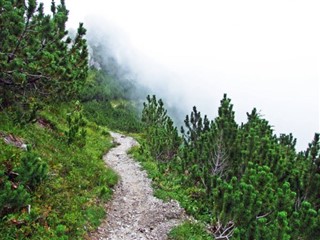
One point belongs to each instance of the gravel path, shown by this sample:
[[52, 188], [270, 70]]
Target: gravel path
[[134, 213]]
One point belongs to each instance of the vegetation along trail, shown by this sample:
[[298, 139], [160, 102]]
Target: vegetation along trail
[[134, 212]]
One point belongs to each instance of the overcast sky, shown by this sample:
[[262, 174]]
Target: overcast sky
[[263, 54]]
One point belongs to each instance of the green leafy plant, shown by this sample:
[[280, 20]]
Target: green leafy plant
[[76, 124], [25, 112], [12, 196], [189, 231], [32, 170], [37, 57], [161, 134], [239, 179]]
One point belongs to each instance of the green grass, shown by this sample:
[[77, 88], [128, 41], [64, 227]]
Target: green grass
[[189, 231], [69, 203], [168, 185], [119, 115]]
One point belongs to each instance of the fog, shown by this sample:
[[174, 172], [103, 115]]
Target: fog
[[263, 54]]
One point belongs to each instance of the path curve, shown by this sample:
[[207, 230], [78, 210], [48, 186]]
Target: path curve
[[134, 213]]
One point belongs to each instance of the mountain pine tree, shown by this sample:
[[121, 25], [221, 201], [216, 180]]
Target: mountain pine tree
[[161, 134], [249, 183], [37, 58]]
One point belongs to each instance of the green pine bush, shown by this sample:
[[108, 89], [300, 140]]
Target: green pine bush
[[243, 180], [12, 197], [32, 171]]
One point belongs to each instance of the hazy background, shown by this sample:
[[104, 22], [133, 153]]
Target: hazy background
[[263, 54]]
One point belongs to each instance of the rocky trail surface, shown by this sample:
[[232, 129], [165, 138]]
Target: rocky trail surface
[[134, 213]]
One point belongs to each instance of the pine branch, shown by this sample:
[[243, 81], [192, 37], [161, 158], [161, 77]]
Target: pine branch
[[224, 232]]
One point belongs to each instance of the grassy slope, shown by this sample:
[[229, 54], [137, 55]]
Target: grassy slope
[[70, 202], [120, 115]]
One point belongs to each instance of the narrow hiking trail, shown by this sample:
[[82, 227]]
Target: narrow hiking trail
[[134, 213]]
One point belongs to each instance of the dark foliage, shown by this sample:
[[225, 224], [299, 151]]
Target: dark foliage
[[38, 61], [243, 180]]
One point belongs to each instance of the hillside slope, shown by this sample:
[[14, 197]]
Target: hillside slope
[[65, 200]]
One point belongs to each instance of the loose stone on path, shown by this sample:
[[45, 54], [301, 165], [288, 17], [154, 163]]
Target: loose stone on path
[[134, 213]]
